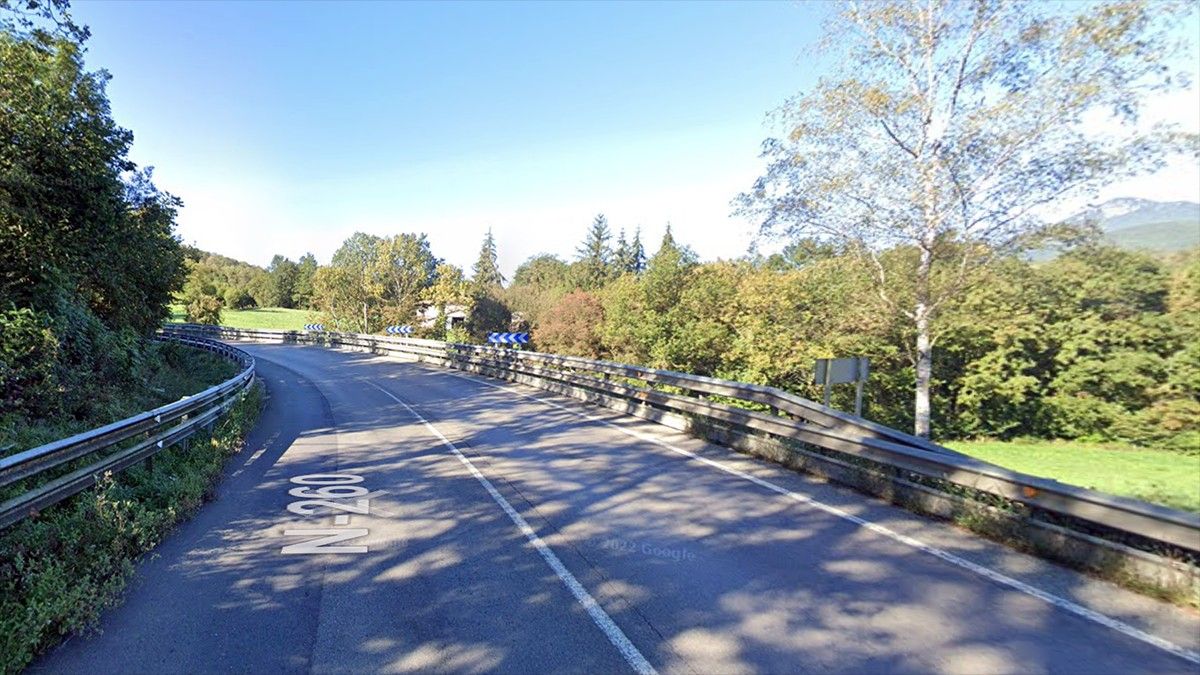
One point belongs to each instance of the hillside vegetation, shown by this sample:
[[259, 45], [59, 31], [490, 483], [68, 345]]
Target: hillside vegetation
[[85, 274]]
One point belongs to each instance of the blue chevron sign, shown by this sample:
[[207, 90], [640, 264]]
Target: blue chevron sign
[[314, 326], [509, 338], [399, 330]]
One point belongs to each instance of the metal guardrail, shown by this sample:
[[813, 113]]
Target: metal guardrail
[[790, 417], [151, 432]]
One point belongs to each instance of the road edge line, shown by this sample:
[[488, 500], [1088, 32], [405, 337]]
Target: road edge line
[[601, 618], [946, 556]]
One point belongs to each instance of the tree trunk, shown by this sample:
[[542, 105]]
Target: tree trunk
[[921, 422], [364, 324], [921, 317]]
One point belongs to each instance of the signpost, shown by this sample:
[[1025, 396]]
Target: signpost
[[399, 330], [509, 338], [843, 371], [314, 327]]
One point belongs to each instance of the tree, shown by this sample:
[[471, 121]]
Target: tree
[[538, 284], [630, 256], [594, 266], [302, 291], [337, 295], [488, 314], [202, 296], [636, 262], [79, 223], [573, 327], [621, 254], [205, 309], [449, 287], [357, 284], [27, 18], [487, 268], [283, 273], [639, 311], [946, 127], [405, 266]]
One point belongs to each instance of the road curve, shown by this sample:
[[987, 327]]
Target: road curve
[[514, 531]]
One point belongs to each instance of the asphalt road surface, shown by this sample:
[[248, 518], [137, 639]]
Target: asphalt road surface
[[505, 529]]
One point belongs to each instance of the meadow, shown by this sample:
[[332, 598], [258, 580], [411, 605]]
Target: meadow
[[267, 318], [1160, 476]]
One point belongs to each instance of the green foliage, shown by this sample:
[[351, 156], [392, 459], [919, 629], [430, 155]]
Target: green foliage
[[302, 289], [487, 268], [537, 286], [374, 281], [204, 309], [88, 258], [450, 288], [1096, 344], [594, 266], [86, 391], [237, 284], [630, 256], [80, 225], [405, 268], [283, 274], [28, 362], [59, 570], [945, 125], [488, 314]]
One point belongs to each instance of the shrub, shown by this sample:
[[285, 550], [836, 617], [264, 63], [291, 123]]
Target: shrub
[[205, 309], [28, 356]]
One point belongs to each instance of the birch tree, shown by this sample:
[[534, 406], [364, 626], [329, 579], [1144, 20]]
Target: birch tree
[[948, 128]]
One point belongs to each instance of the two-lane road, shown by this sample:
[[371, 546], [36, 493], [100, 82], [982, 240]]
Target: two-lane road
[[509, 530]]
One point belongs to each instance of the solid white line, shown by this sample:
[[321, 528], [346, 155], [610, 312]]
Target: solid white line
[[594, 610], [988, 573]]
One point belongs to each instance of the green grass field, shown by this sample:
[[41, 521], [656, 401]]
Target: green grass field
[[1159, 476], [269, 318]]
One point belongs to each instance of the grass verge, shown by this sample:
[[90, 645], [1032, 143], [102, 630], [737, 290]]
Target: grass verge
[[1159, 476], [60, 570]]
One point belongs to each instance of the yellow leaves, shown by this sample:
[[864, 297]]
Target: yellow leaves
[[877, 101]]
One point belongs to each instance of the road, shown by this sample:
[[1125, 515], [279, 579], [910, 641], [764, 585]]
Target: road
[[510, 530]]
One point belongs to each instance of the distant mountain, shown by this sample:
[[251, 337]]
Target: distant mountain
[[1146, 224]]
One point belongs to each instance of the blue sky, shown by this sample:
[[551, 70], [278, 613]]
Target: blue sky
[[285, 127]]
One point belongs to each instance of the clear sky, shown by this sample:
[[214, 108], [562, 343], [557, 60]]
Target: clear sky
[[285, 127]]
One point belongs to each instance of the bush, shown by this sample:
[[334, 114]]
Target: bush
[[573, 326], [28, 359], [205, 309]]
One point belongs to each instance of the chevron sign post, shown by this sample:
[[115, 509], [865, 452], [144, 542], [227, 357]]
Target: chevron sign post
[[509, 338], [399, 330], [314, 326]]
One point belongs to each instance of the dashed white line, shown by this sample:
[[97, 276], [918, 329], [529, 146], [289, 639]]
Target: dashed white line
[[986, 572], [601, 618]]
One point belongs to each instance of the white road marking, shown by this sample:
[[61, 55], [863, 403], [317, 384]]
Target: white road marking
[[594, 610], [986, 572]]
